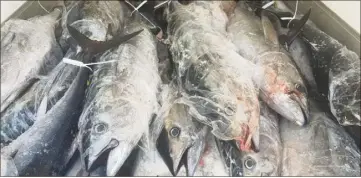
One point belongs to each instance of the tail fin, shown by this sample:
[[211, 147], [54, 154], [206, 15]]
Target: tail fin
[[96, 47]]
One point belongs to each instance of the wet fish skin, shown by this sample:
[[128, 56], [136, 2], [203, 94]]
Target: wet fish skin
[[120, 98], [321, 148], [281, 85], [211, 162], [186, 138], [266, 162], [300, 53], [335, 66], [98, 20], [29, 50], [213, 74], [21, 115], [40, 149], [231, 157], [345, 102]]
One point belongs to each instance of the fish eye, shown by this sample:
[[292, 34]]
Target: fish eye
[[174, 132], [100, 128], [249, 163], [300, 88]]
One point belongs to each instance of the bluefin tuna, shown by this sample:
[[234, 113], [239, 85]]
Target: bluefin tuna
[[281, 86], [29, 51], [120, 100], [215, 80]]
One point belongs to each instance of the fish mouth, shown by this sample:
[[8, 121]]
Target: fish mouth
[[293, 107], [116, 155], [303, 106], [189, 155]]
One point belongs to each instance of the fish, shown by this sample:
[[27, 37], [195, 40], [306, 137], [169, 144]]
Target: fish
[[211, 163], [149, 161], [231, 157], [281, 85], [268, 161], [300, 52], [22, 114], [212, 77], [185, 138], [50, 139], [321, 148], [120, 100], [41, 148], [29, 52], [335, 66]]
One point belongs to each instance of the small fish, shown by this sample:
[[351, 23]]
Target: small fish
[[321, 148], [266, 162], [28, 51], [281, 86], [120, 100], [214, 80]]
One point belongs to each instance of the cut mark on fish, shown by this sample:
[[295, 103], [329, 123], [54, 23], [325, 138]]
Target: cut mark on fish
[[81, 64]]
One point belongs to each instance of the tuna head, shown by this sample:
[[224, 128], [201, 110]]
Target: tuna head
[[266, 162], [186, 139], [113, 130], [283, 89], [281, 85]]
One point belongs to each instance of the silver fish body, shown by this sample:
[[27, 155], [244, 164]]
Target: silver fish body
[[266, 162], [231, 157], [20, 115], [29, 50], [211, 162], [216, 80], [334, 67], [98, 20], [281, 86], [42, 148], [321, 148], [120, 101]]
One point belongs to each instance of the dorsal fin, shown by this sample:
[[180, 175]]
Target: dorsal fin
[[296, 26], [269, 30]]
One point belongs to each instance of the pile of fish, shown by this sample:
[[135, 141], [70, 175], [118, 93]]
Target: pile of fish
[[176, 88]]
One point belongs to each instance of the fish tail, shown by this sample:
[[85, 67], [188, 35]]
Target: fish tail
[[95, 46]]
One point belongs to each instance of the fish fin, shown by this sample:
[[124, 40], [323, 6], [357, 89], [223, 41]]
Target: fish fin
[[296, 27], [269, 30], [42, 107], [95, 46]]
